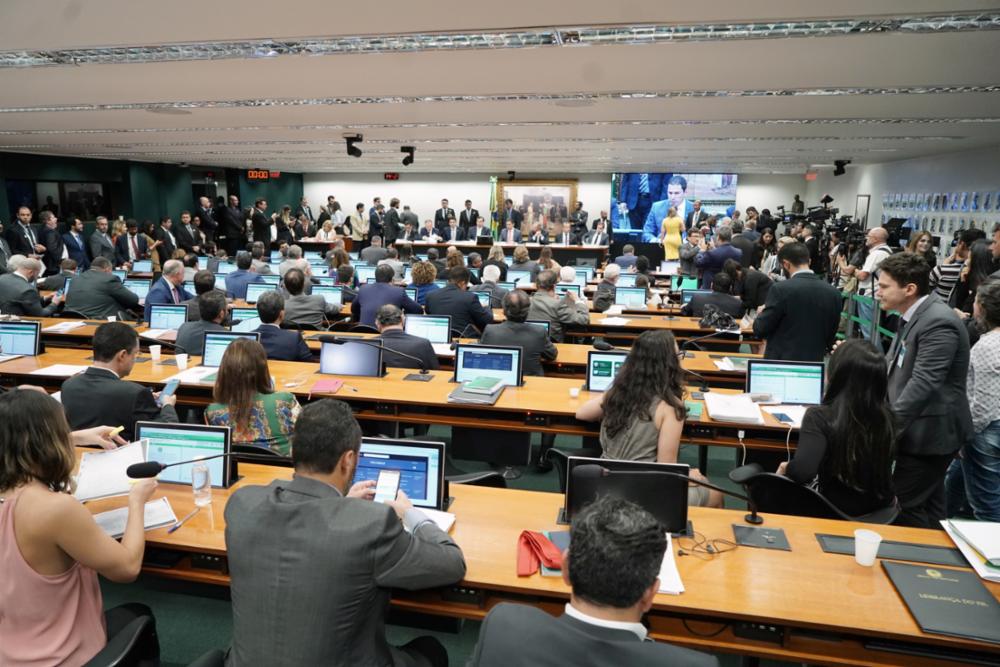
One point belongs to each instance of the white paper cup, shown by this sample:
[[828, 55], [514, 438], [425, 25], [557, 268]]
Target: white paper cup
[[182, 361], [112, 318], [574, 392], [866, 543], [154, 352]]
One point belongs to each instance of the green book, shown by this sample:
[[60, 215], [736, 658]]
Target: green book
[[483, 385]]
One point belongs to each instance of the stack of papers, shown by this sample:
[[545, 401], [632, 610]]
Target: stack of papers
[[736, 408], [59, 370], [614, 321], [9, 357], [196, 374], [154, 333], [444, 520], [65, 326], [974, 547], [102, 474], [158, 513]]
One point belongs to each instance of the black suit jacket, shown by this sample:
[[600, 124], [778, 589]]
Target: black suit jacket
[[689, 219], [753, 288], [284, 344], [415, 346], [5, 254], [19, 297], [99, 294], [97, 397], [535, 345], [19, 240], [815, 256], [53, 241], [122, 244], [800, 318], [208, 222], [467, 219], [446, 234], [441, 217], [167, 247], [231, 222], [261, 225], [746, 247], [463, 306], [727, 303], [391, 226], [184, 239], [513, 214]]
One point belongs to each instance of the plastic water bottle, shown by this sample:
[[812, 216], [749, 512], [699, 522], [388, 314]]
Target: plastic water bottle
[[201, 484]]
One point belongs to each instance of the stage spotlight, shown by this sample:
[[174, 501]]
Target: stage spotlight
[[838, 167], [409, 150], [352, 139]]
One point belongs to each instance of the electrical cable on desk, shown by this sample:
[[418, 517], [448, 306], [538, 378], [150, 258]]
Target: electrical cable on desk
[[702, 547], [718, 632], [788, 444]]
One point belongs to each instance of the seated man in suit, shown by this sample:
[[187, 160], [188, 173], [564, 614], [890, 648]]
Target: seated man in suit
[[258, 264], [372, 297], [302, 308], [98, 293], [76, 247], [18, 295], [392, 259], [101, 396], [212, 312], [357, 552], [453, 232], [538, 235], [510, 234], [345, 279], [597, 237], [463, 306], [374, 253], [100, 241], [720, 297], [204, 281], [169, 289], [604, 295], [612, 563], [627, 259], [428, 234], [237, 281], [57, 281], [491, 276], [568, 310], [389, 322], [480, 230], [514, 331], [280, 344], [563, 235]]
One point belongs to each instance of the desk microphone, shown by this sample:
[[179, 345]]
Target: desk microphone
[[701, 378], [593, 471], [154, 468], [603, 345], [334, 340], [694, 341]]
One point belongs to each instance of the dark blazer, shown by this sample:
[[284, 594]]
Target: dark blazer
[[535, 345], [97, 397], [184, 239], [596, 238], [55, 282], [372, 297], [692, 217], [539, 237], [122, 248], [191, 336], [468, 218], [5, 254], [373, 254], [231, 223], [237, 281], [101, 246], [159, 294], [471, 234], [800, 318], [496, 293], [514, 634], [77, 250], [746, 247], [53, 241], [424, 233], [513, 214], [727, 303], [753, 288], [19, 297], [397, 339], [446, 234], [712, 261], [261, 224], [167, 246], [356, 551], [19, 240], [376, 223], [99, 294], [441, 217], [567, 238], [928, 364], [284, 344], [462, 305], [500, 265], [517, 234], [391, 226], [815, 256], [208, 222]]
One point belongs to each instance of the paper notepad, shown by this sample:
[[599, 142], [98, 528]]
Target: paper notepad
[[615, 321], [983, 536], [102, 474], [158, 513], [444, 520], [64, 326], [670, 578], [736, 408], [154, 333], [59, 370], [976, 560], [196, 374]]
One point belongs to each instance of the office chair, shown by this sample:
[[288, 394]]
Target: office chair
[[214, 658], [489, 478], [135, 645], [72, 314], [559, 460], [362, 328], [248, 453], [777, 494]]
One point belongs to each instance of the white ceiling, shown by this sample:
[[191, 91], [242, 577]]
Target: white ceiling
[[735, 133]]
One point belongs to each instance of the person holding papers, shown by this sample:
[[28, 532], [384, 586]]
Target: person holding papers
[[643, 411], [614, 556], [100, 395], [846, 444], [51, 549]]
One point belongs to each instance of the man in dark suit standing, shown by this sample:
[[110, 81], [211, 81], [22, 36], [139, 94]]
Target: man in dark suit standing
[[99, 293], [55, 249], [389, 321], [372, 297], [18, 295], [376, 221], [614, 556], [261, 223], [205, 213], [711, 260], [696, 216], [744, 244], [928, 365], [463, 306], [357, 552], [720, 298], [306, 210], [280, 344], [76, 247], [509, 213], [100, 395], [100, 242], [232, 227], [534, 342], [467, 218], [187, 236], [812, 243], [131, 245], [211, 315], [21, 236], [442, 215], [168, 241], [392, 224], [799, 320], [579, 218]]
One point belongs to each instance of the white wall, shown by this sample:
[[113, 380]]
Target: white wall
[[768, 190]]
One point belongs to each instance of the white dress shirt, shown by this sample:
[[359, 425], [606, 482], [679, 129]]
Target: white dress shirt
[[638, 628]]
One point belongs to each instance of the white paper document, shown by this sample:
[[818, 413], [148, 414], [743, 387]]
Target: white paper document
[[60, 370], [724, 364], [158, 513], [65, 326], [196, 374], [154, 333], [9, 357], [670, 578], [444, 520], [102, 474], [736, 408], [615, 321], [976, 560], [796, 412]]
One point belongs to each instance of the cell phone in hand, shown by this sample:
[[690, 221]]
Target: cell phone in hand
[[387, 486], [167, 391]]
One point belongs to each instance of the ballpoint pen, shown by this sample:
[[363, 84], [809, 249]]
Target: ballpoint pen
[[183, 521]]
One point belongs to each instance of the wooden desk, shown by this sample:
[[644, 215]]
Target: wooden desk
[[826, 604], [563, 254]]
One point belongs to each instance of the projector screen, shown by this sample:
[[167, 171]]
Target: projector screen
[[639, 202]]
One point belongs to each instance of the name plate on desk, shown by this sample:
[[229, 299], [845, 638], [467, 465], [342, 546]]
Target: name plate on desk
[[947, 602]]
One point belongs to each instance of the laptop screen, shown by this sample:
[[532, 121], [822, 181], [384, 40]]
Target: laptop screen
[[142, 266], [602, 367], [507, 285], [350, 358], [475, 361], [626, 280], [120, 274], [630, 296], [240, 314], [562, 288], [216, 343], [167, 317], [585, 272], [19, 338], [544, 324], [254, 290], [421, 467], [169, 443], [519, 277], [791, 382], [225, 267], [412, 293], [670, 266], [325, 280], [684, 282], [688, 294], [484, 299], [334, 296], [435, 328], [271, 279], [138, 287], [363, 273]]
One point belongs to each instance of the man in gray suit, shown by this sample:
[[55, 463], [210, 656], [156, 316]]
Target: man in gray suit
[[568, 310], [514, 331], [212, 312], [98, 293], [312, 560], [18, 295], [614, 556], [301, 308], [100, 242], [928, 364]]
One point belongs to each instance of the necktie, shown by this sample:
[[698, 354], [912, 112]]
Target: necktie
[[173, 292], [644, 184], [534, 548], [135, 247], [31, 237]]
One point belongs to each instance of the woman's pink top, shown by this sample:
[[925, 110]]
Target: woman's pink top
[[45, 619]]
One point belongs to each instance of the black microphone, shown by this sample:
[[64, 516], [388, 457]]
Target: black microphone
[[693, 341], [704, 383], [154, 468], [371, 343], [603, 345], [593, 471]]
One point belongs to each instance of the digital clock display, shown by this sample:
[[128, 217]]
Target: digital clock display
[[258, 174]]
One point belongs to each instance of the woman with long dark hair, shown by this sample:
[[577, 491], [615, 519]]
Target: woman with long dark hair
[[765, 248], [246, 401], [977, 269], [846, 444], [643, 411]]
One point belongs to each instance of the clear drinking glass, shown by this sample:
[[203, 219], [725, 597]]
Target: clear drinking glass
[[201, 484]]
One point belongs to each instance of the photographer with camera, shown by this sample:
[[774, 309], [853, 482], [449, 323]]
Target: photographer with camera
[[878, 251]]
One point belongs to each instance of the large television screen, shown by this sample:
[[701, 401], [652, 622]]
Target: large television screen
[[639, 202]]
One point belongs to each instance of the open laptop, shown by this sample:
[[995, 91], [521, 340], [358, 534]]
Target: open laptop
[[519, 277], [142, 266], [435, 328], [484, 299], [333, 295], [585, 272], [137, 286], [254, 290], [120, 274], [167, 317], [792, 384], [220, 281], [412, 293], [562, 288], [670, 266], [632, 297], [627, 279], [19, 339], [216, 343], [683, 282], [475, 361], [602, 367], [170, 443], [271, 279], [363, 273], [241, 314], [350, 358], [544, 324], [421, 467], [324, 280], [688, 294]]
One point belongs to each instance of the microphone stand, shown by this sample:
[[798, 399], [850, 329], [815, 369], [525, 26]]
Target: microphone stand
[[694, 341]]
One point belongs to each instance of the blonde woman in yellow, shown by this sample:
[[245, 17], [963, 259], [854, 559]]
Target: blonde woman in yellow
[[670, 234]]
